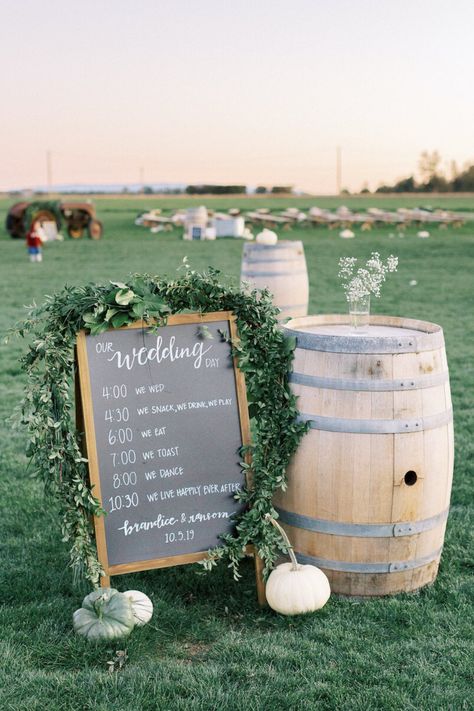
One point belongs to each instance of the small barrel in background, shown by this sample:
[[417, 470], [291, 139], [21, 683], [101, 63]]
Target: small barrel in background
[[196, 222], [281, 268], [197, 216], [369, 487]]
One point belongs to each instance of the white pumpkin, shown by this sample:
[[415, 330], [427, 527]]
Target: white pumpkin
[[267, 237], [294, 589], [424, 234], [346, 234], [142, 606]]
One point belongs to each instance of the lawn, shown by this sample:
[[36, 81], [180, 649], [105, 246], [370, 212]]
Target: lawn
[[209, 645]]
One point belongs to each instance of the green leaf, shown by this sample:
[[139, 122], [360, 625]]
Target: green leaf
[[204, 332], [89, 317], [97, 328], [120, 320], [124, 297], [289, 343], [110, 297], [139, 286], [138, 309], [154, 303], [110, 313]]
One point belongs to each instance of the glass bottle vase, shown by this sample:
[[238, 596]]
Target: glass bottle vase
[[359, 312]]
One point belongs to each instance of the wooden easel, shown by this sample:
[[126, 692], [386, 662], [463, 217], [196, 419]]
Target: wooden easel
[[85, 425]]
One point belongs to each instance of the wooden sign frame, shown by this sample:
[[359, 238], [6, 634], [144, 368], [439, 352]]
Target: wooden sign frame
[[85, 423]]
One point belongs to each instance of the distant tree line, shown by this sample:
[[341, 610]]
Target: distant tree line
[[216, 189], [148, 190], [237, 190], [276, 190], [432, 179]]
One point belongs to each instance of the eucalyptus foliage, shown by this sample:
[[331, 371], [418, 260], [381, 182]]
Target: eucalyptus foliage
[[264, 355]]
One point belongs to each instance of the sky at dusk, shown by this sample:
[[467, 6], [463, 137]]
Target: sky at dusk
[[221, 91]]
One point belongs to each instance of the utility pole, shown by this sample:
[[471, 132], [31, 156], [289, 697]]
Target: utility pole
[[49, 172], [338, 170]]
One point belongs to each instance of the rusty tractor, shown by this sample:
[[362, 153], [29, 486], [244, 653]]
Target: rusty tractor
[[79, 217]]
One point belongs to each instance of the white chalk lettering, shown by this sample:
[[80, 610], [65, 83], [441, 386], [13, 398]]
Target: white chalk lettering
[[160, 409], [168, 452], [231, 488], [201, 517], [156, 388], [159, 522], [160, 353], [163, 495], [197, 405], [103, 347], [189, 491], [173, 471]]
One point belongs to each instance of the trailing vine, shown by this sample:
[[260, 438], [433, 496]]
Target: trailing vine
[[264, 355]]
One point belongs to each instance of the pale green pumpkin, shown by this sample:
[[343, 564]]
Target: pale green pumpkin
[[105, 614]]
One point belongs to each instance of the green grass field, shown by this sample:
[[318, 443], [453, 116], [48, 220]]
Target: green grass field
[[209, 646]]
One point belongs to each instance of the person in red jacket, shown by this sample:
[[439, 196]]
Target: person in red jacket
[[34, 242]]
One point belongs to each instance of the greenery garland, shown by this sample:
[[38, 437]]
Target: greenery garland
[[37, 206], [264, 355]]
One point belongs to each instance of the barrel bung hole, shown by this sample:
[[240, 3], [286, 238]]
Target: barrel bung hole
[[410, 478]]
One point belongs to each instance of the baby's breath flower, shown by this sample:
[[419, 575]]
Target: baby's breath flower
[[392, 263], [367, 280]]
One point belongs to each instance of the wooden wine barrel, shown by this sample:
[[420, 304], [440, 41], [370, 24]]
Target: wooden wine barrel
[[282, 269], [197, 216], [369, 487]]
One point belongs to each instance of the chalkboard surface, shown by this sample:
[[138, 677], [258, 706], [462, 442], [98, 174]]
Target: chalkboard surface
[[165, 414]]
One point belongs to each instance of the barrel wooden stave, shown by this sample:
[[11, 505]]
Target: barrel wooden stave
[[351, 477], [281, 269], [359, 550], [375, 585]]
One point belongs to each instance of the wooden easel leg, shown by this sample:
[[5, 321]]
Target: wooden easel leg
[[262, 598], [105, 581]]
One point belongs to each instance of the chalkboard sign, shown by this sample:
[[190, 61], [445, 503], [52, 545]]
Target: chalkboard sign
[[165, 413]]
